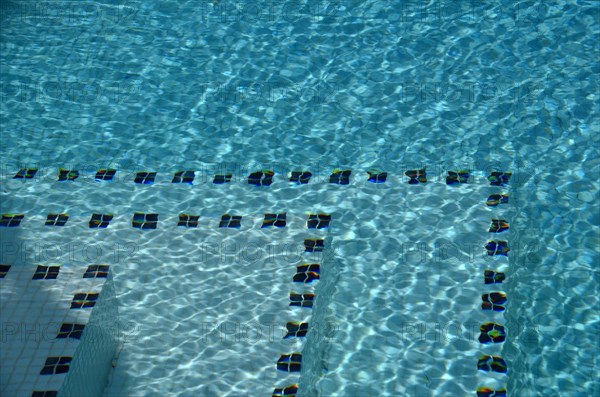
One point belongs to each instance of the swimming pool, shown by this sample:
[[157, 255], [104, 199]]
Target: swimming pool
[[234, 88]]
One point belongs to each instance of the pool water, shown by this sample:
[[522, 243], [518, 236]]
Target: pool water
[[236, 87]]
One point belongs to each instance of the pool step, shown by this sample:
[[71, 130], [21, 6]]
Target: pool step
[[307, 272], [70, 341]]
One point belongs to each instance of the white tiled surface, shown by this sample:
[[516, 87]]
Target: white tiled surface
[[93, 359], [32, 312]]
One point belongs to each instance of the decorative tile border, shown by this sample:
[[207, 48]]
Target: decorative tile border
[[494, 301], [264, 178]]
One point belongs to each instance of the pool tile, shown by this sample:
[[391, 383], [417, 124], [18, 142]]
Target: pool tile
[[261, 178], [296, 330], [56, 219], [495, 199], [318, 221], [145, 178], [47, 393], [100, 221], [84, 300], [96, 271], [186, 220], [300, 177], [230, 221], [487, 392], [184, 177], [492, 277], [499, 178], [416, 176], [46, 273], [56, 365], [492, 333], [314, 245], [277, 220], [307, 273], [289, 391], [222, 178], [290, 362], [67, 175], [302, 300], [492, 363], [340, 177], [497, 247], [493, 301], [70, 330], [144, 221], [25, 173], [458, 177], [498, 226], [4, 270], [376, 176], [11, 220], [105, 175]]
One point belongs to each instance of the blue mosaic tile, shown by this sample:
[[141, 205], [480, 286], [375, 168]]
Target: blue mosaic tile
[[493, 301], [498, 226], [186, 220], [100, 221], [497, 248], [4, 270], [307, 273], [492, 363], [499, 178], [416, 176], [84, 300], [56, 219], [46, 273], [67, 175], [302, 300], [288, 391], [222, 178], [314, 245], [456, 178], [290, 362], [492, 333], [318, 221], [296, 330], [277, 220], [261, 178], [145, 178], [492, 277], [96, 271], [105, 175], [11, 220], [25, 173], [376, 176], [340, 177], [144, 221], [487, 392], [47, 393], [495, 199], [70, 330], [231, 221], [184, 177], [56, 365], [300, 177]]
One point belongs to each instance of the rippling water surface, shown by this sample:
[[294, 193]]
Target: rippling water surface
[[218, 86]]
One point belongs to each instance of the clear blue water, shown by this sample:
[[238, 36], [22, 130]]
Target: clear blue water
[[213, 86]]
